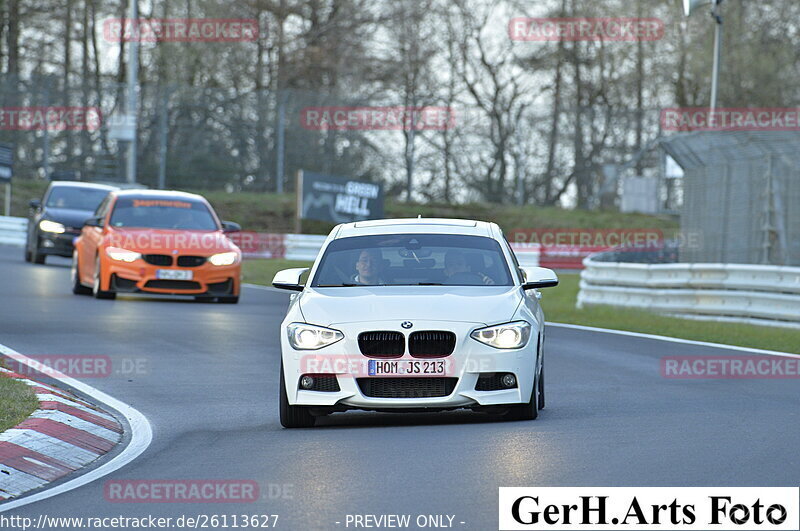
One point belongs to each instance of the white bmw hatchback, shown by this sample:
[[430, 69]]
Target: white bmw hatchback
[[413, 315]]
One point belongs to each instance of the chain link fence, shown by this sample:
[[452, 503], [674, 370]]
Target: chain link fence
[[741, 195]]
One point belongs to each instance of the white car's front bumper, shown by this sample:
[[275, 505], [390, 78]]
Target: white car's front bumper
[[468, 361]]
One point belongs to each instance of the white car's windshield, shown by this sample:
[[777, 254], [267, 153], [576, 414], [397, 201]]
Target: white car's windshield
[[413, 259]]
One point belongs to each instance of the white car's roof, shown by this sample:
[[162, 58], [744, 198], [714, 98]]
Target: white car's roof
[[418, 225]]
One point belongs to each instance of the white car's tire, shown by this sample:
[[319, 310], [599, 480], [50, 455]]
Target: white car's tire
[[528, 411], [293, 416]]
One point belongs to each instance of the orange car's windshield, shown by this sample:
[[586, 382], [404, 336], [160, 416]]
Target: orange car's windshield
[[162, 214]]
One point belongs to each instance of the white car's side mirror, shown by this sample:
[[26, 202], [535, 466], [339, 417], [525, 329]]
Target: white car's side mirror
[[538, 277], [289, 279]]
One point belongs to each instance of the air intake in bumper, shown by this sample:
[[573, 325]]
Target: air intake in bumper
[[406, 387]]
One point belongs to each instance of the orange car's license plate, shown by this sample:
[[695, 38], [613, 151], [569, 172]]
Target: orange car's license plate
[[173, 274]]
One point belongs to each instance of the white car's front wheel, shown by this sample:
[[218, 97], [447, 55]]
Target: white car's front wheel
[[293, 416], [527, 411]]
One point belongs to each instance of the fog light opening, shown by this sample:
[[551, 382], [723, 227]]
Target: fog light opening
[[509, 381], [306, 382]]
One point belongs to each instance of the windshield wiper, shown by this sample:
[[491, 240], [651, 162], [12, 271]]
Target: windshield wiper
[[427, 284], [338, 285]]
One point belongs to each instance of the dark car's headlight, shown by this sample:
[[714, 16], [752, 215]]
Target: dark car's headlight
[[310, 337], [504, 336], [52, 226]]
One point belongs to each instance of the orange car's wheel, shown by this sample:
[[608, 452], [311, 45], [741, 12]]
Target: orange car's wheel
[[77, 287], [99, 293]]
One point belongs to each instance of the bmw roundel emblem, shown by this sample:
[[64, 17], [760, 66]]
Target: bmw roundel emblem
[[406, 324]]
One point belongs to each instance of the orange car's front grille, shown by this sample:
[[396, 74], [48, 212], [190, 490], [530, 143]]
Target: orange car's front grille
[[158, 259], [191, 261]]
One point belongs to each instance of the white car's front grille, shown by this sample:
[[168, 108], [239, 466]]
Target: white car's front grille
[[422, 344], [382, 344], [431, 344]]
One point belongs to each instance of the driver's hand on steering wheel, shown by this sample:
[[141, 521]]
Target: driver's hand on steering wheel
[[486, 279]]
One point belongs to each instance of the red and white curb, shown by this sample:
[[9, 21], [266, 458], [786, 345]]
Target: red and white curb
[[64, 435]]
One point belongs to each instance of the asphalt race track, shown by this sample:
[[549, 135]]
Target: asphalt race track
[[210, 393]]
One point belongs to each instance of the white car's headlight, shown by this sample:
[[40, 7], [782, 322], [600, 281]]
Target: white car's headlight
[[51, 226], [122, 255], [506, 336], [223, 259], [309, 337]]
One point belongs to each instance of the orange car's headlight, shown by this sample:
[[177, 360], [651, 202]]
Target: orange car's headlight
[[223, 259], [122, 255]]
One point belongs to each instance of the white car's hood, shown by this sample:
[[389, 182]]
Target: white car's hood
[[473, 304]]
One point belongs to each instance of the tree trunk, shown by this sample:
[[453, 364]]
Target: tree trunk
[[12, 39], [67, 99]]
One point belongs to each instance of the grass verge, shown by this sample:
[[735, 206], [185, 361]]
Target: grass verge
[[262, 271], [275, 213], [559, 307], [17, 402]]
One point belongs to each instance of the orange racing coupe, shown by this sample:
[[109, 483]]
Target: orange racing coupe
[[149, 241]]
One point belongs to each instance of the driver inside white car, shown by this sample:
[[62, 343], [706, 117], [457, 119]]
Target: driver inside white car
[[368, 266]]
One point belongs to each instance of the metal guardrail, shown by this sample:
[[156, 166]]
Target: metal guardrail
[[13, 230], [528, 254], [303, 246], [755, 294]]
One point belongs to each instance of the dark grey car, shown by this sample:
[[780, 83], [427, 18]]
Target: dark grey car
[[56, 220]]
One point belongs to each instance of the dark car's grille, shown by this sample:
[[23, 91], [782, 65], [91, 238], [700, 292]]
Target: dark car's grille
[[406, 387], [158, 259], [382, 344], [324, 383], [191, 261], [172, 284], [491, 382], [431, 344]]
